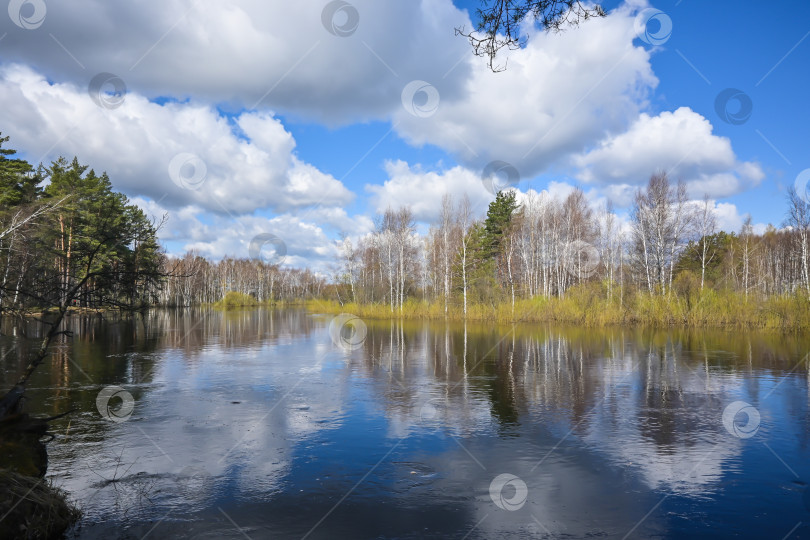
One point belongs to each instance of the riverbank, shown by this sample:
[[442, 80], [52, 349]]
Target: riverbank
[[589, 306], [30, 505], [33, 508]]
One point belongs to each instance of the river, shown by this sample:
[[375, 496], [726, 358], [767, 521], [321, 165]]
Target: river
[[286, 424]]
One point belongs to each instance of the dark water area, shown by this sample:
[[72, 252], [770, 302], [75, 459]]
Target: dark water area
[[266, 424]]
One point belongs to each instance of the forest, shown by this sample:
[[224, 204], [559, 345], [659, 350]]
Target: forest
[[544, 259], [562, 260], [68, 240]]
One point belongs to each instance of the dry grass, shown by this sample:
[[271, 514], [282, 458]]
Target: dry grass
[[32, 508], [589, 306]]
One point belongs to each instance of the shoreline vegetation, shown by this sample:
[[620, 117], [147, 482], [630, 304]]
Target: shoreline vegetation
[[584, 306], [33, 507], [237, 300]]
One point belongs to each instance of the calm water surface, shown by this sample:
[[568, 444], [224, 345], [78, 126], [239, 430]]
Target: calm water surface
[[257, 424]]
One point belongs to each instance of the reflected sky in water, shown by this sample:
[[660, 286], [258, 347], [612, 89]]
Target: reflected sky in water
[[256, 423]]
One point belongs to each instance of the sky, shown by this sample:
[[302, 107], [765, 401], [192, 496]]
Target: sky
[[300, 122]]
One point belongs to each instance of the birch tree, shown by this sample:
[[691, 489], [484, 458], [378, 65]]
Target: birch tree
[[799, 220], [706, 227]]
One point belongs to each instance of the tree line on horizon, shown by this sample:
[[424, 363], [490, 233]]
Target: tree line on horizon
[[544, 246], [68, 239]]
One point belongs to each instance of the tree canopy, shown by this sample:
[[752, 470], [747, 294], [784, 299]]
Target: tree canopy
[[73, 241], [17, 184], [499, 216]]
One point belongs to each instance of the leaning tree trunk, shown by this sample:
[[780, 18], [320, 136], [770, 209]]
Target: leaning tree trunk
[[10, 403]]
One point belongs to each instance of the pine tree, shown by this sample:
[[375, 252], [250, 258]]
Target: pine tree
[[496, 224], [18, 182]]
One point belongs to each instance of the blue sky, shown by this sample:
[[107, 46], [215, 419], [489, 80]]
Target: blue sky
[[741, 45], [730, 46], [294, 129]]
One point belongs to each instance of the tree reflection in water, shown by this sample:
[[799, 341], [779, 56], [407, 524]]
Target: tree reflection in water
[[258, 413]]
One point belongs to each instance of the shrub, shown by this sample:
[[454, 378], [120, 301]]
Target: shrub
[[234, 299]]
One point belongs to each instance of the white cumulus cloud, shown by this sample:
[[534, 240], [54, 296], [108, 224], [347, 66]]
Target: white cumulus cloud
[[680, 143], [559, 95], [137, 142]]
